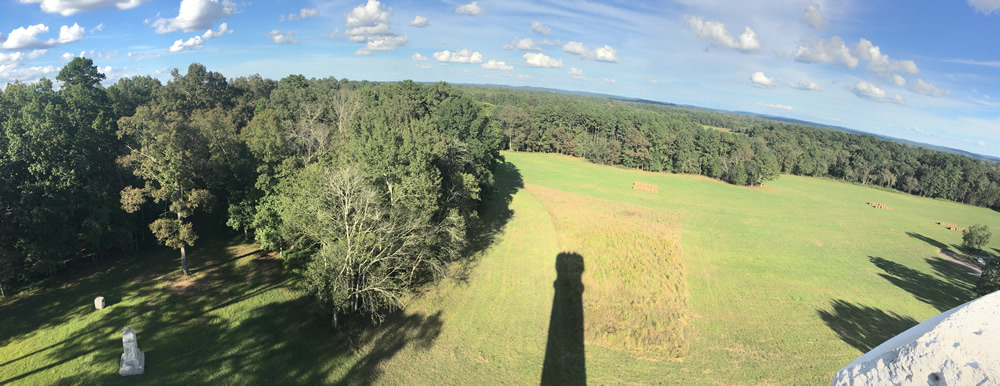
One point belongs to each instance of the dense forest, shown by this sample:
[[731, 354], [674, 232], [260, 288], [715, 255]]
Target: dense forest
[[365, 189]]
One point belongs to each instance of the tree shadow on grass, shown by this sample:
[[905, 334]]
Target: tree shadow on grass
[[399, 331], [235, 331], [494, 213], [863, 327], [928, 240], [145, 298], [565, 357], [953, 274], [943, 295]]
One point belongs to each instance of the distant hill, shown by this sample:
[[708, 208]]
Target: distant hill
[[765, 116]]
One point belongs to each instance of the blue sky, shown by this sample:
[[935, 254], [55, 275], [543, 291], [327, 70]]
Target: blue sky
[[924, 71]]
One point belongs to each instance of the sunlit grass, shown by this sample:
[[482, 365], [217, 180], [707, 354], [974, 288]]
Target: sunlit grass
[[765, 265]]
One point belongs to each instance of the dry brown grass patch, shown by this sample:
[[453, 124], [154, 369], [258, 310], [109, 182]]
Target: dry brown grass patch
[[645, 187], [635, 293]]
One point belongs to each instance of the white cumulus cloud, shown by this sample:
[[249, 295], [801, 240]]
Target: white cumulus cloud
[[195, 15], [364, 31], [282, 37], [872, 92], [304, 13], [604, 54], [10, 73], [369, 24], [27, 37], [760, 80], [813, 16], [495, 65], [94, 54], [419, 22], [777, 106], [576, 72], [373, 12], [832, 51], [526, 44], [807, 86], [469, 9], [925, 88], [70, 34], [197, 42], [460, 56], [897, 80], [537, 59], [880, 63], [418, 57], [382, 43], [72, 7], [15, 58], [717, 34], [540, 29], [985, 6]]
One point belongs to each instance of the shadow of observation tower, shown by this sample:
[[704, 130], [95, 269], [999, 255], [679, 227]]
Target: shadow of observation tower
[[565, 361]]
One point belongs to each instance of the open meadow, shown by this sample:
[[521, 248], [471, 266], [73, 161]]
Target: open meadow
[[585, 279]]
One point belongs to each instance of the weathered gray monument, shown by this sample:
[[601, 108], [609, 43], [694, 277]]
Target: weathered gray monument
[[133, 360], [99, 302]]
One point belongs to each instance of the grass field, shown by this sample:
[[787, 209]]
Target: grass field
[[781, 284]]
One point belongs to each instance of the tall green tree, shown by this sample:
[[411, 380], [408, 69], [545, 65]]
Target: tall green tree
[[170, 157], [989, 280], [976, 236], [180, 146], [57, 169]]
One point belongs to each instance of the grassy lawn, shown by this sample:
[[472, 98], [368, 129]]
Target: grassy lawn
[[700, 283], [792, 281], [235, 320]]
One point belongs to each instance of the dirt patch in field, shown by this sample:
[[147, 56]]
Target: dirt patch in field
[[762, 188], [965, 262], [818, 243], [266, 269], [185, 287], [196, 282]]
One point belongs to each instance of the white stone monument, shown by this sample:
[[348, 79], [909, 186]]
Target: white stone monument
[[133, 360], [957, 347], [99, 302]]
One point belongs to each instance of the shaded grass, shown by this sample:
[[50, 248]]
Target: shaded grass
[[236, 320], [864, 327]]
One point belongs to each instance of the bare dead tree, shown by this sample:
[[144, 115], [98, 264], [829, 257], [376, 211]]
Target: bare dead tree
[[310, 134], [346, 105]]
